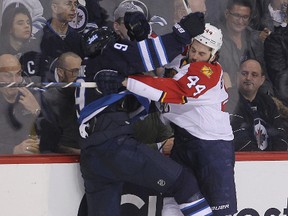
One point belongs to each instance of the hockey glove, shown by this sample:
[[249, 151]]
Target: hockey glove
[[138, 28], [108, 81], [189, 26]]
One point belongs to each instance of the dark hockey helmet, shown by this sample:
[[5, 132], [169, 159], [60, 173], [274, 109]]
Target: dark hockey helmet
[[96, 39]]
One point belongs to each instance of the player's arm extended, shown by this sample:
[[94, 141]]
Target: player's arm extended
[[192, 84], [159, 51]]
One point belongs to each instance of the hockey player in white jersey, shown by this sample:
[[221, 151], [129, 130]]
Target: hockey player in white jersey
[[193, 102]]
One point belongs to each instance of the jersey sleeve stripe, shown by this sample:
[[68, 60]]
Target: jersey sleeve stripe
[[145, 55], [160, 51], [163, 97]]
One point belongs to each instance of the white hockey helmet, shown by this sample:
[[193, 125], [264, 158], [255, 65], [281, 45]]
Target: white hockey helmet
[[211, 37]]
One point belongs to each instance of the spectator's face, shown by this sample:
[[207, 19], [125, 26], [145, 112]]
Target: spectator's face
[[65, 10], [21, 27], [70, 69], [237, 18], [250, 78], [199, 52], [10, 71]]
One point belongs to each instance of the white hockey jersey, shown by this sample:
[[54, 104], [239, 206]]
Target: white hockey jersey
[[195, 96]]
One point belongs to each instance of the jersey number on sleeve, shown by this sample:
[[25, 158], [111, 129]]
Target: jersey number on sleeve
[[193, 83]]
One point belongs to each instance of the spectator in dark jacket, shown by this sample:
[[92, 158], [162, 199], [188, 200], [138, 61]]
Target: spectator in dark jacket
[[256, 122], [276, 57]]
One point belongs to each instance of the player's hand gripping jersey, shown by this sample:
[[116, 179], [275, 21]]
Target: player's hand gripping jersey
[[196, 96]]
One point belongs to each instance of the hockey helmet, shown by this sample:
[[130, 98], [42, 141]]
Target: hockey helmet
[[138, 4], [211, 37], [96, 39]]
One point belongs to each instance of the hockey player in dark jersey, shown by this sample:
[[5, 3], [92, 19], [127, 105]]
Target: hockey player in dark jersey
[[130, 57], [109, 153], [194, 101]]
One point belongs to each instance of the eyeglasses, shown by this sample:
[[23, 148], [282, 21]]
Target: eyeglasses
[[71, 4], [237, 16], [74, 71]]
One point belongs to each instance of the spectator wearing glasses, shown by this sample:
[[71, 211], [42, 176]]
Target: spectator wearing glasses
[[19, 109], [61, 130], [240, 42], [57, 36]]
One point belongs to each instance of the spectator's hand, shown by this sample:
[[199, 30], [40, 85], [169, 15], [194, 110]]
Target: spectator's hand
[[138, 27], [264, 34], [190, 26], [108, 81], [166, 150], [28, 100], [28, 146]]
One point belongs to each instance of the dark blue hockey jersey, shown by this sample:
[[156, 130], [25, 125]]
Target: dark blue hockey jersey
[[130, 57], [126, 57]]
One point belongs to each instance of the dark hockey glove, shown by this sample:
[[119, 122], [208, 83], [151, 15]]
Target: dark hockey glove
[[138, 28], [108, 81], [189, 26]]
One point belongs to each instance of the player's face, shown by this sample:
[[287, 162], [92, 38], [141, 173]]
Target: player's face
[[237, 18], [250, 77], [21, 27], [120, 29], [199, 52], [65, 10]]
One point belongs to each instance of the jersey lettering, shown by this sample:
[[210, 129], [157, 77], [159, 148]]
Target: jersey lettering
[[30, 69], [193, 82], [179, 28], [119, 46]]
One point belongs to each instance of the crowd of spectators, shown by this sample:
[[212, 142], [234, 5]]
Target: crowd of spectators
[[41, 37]]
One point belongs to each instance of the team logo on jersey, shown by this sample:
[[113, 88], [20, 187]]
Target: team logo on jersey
[[161, 182], [207, 71], [80, 21]]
